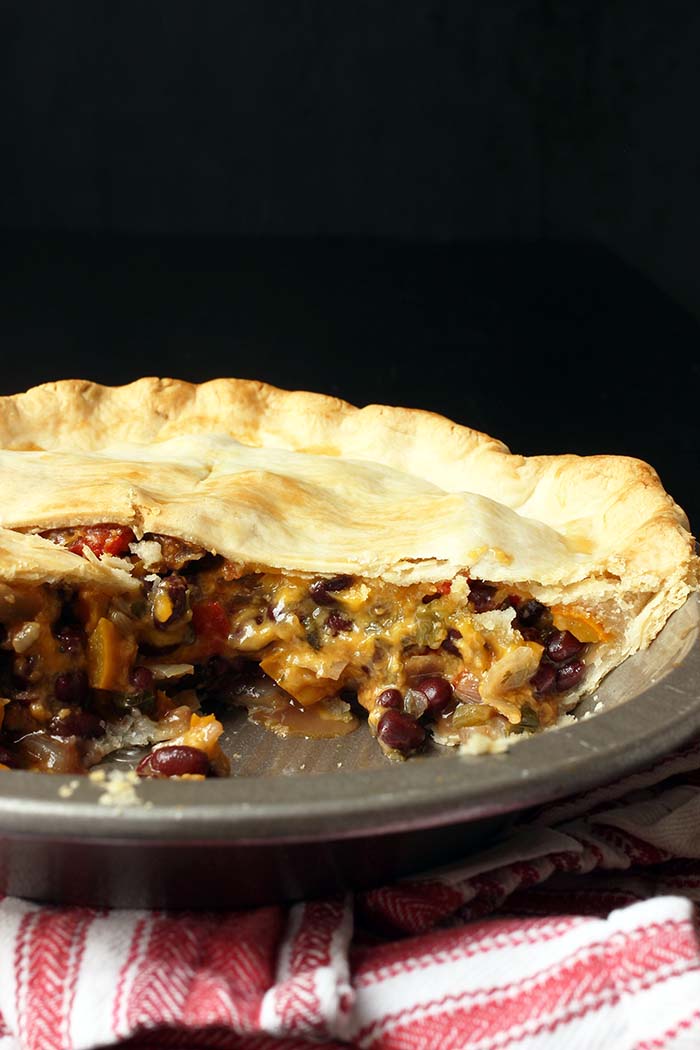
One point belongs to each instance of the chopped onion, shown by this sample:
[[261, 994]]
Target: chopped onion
[[415, 703], [333, 708], [510, 671], [25, 637], [51, 754], [467, 687], [335, 669], [121, 620], [170, 670], [174, 723], [149, 552]]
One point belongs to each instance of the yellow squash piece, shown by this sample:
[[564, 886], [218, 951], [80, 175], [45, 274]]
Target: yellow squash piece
[[110, 655], [579, 622]]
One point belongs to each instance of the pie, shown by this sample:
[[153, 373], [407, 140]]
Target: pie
[[168, 550]]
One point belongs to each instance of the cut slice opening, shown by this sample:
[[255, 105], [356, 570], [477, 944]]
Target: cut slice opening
[[84, 672]]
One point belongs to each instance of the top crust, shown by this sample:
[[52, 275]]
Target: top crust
[[607, 501], [420, 497]]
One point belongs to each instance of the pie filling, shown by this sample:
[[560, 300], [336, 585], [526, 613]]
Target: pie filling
[[83, 673]]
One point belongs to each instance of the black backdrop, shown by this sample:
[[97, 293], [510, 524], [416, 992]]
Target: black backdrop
[[485, 209]]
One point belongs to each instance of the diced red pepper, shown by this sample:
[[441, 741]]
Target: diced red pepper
[[211, 623], [103, 539]]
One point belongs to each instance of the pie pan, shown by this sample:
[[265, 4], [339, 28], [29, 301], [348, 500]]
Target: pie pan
[[300, 818]]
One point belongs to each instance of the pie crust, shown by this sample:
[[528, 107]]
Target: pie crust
[[302, 483]]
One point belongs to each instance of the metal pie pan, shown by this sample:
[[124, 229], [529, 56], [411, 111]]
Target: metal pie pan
[[301, 817]]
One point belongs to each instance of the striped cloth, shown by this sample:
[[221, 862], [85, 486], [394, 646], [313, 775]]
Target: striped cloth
[[579, 931]]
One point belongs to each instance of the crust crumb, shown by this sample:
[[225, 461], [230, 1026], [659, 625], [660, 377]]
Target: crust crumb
[[481, 744], [119, 788]]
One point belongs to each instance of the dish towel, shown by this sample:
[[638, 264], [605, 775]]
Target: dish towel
[[577, 931]]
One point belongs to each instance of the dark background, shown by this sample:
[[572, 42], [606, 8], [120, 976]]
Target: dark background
[[485, 209]]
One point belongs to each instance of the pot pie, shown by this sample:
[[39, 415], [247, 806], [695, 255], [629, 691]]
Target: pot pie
[[168, 550]]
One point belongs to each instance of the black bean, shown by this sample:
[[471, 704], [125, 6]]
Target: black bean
[[174, 760], [70, 638], [390, 698], [562, 645], [437, 691], [531, 634], [399, 732], [449, 644], [322, 590], [569, 675], [481, 596], [72, 687], [141, 678], [529, 612], [544, 680], [82, 724], [336, 623], [338, 583]]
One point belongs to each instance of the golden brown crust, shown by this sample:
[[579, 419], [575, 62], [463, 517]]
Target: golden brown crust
[[599, 531], [616, 503]]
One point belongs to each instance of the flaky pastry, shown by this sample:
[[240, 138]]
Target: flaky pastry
[[164, 545]]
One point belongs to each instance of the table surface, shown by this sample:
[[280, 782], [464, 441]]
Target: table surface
[[551, 347]]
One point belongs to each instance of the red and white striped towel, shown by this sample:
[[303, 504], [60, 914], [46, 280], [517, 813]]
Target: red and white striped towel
[[577, 932]]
